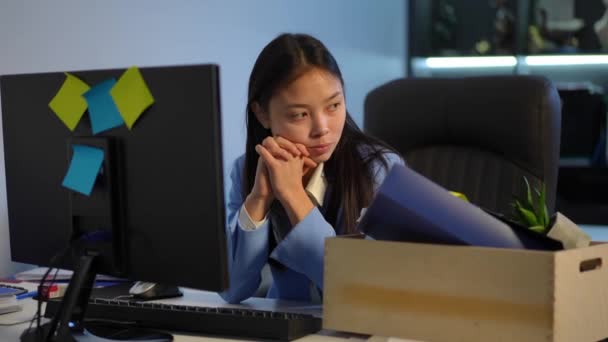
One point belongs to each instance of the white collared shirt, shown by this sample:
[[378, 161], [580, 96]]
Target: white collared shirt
[[316, 187]]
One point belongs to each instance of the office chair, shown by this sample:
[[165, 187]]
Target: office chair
[[478, 135]]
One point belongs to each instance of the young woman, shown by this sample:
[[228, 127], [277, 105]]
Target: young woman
[[307, 172]]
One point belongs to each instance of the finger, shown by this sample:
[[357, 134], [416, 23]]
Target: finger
[[303, 149], [306, 170], [288, 145], [263, 167], [308, 165], [266, 156], [309, 162], [261, 162], [273, 147]]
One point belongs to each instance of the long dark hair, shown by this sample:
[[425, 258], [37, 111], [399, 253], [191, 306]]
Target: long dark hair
[[349, 168]]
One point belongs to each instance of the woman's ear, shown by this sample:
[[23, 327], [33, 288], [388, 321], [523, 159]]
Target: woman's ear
[[261, 115]]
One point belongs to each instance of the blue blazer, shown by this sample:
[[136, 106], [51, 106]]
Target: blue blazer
[[301, 251]]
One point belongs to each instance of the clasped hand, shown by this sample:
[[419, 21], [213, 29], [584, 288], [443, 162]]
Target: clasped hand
[[282, 166]]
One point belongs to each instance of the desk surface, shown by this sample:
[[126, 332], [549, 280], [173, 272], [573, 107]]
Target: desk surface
[[194, 297]]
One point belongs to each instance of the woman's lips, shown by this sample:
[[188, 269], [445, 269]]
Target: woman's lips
[[319, 149]]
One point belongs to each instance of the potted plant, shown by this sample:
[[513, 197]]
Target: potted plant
[[532, 212]]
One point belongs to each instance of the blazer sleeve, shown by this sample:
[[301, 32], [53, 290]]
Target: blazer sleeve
[[247, 250], [303, 248], [380, 172]]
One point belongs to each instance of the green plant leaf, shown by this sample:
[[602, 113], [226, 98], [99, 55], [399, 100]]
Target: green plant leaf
[[521, 219], [538, 206], [538, 229], [533, 212], [517, 204], [528, 194], [528, 216], [544, 214]]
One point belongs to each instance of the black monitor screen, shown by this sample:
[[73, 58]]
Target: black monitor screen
[[165, 175]]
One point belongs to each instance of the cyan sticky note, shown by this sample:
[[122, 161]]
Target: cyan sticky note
[[68, 104], [131, 95], [84, 168], [102, 110]]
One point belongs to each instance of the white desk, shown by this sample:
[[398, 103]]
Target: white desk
[[192, 297]]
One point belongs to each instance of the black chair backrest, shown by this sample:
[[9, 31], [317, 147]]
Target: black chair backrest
[[478, 135]]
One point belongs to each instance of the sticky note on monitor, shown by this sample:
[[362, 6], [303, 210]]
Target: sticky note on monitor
[[68, 104], [84, 168], [102, 111], [131, 95]]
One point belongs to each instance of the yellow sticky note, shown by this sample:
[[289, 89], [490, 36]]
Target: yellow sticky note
[[68, 104], [131, 96]]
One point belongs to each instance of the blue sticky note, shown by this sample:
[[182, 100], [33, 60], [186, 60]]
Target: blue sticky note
[[84, 167], [102, 110]]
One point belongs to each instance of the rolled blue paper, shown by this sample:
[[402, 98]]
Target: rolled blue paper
[[410, 207]]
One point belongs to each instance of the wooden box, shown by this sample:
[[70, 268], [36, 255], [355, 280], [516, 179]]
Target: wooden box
[[461, 293]]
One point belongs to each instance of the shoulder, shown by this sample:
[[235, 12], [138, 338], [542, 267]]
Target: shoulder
[[238, 167], [380, 160], [239, 162], [379, 156], [392, 158]]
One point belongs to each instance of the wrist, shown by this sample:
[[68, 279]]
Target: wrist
[[292, 196], [260, 198], [297, 205], [258, 206]]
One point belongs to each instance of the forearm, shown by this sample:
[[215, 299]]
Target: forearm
[[247, 254], [297, 205], [303, 248], [257, 207]]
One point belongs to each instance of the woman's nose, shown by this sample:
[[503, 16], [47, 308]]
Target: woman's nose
[[320, 125]]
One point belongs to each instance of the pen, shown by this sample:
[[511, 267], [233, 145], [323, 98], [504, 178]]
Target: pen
[[27, 295]]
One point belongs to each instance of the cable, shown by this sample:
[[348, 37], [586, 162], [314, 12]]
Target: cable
[[57, 258]]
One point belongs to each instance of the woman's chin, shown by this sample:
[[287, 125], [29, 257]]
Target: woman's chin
[[322, 158]]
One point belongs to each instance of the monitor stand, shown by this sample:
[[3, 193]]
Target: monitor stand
[[68, 323], [72, 308]]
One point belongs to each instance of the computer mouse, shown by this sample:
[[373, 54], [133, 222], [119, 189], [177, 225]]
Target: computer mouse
[[141, 287], [147, 291]]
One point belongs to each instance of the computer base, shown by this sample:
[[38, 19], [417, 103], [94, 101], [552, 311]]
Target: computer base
[[41, 334], [102, 331]]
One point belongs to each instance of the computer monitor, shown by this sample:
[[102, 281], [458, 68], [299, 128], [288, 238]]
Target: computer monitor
[[156, 211]]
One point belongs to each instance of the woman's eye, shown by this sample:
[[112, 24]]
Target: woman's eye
[[297, 116], [334, 106]]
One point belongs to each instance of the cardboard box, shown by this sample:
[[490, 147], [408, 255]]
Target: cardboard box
[[461, 293]]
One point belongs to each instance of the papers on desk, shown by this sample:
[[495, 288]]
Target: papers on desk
[[8, 301], [36, 274], [26, 307], [9, 304], [8, 290]]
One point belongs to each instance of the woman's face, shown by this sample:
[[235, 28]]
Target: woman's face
[[310, 111]]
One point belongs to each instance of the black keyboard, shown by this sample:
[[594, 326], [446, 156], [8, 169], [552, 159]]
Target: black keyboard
[[247, 323]]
